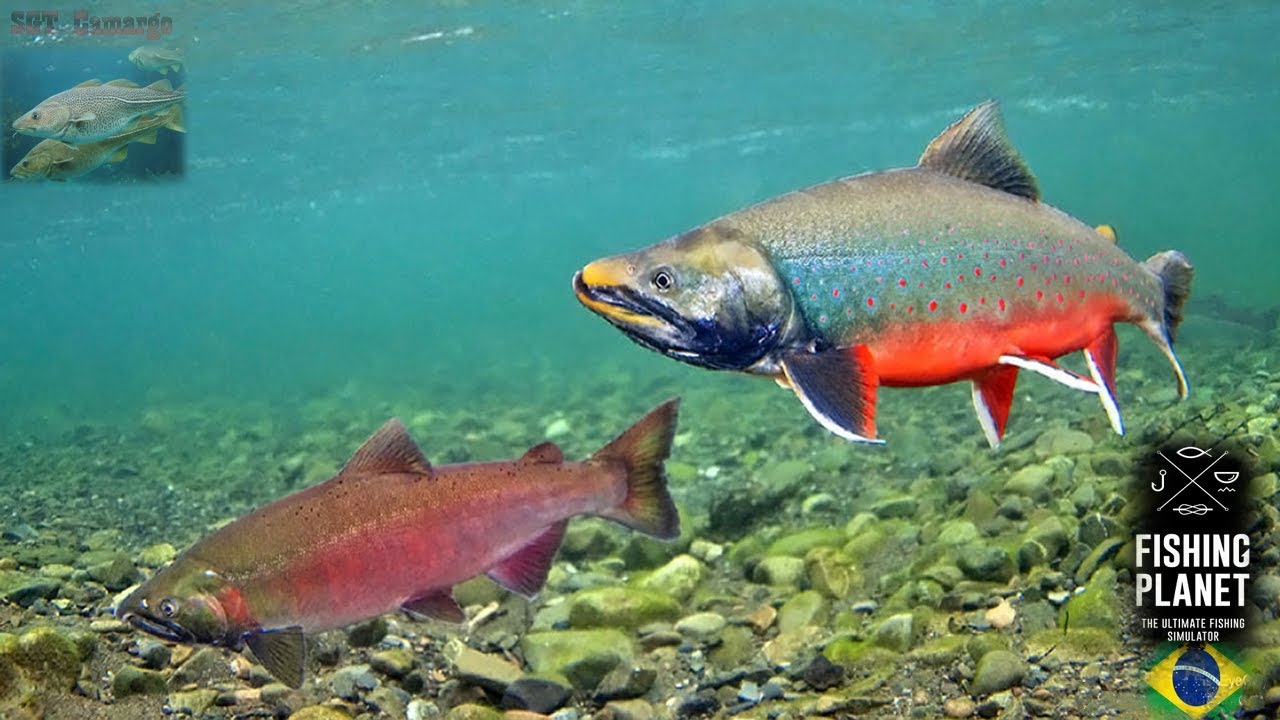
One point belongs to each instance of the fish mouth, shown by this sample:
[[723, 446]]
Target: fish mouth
[[626, 308], [160, 628]]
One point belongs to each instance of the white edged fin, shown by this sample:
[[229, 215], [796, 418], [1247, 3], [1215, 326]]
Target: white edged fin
[[838, 388], [985, 419], [1104, 394], [1051, 371], [1155, 331]]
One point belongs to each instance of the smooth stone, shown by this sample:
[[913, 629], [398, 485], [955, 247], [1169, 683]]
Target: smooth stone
[[1096, 606], [985, 562], [157, 555], [422, 710], [154, 655], [896, 633], [706, 551], [116, 573], [205, 667], [677, 579], [779, 571], [620, 607], [899, 507], [389, 701], [800, 543], [491, 672], [997, 670], [349, 682], [831, 572], [820, 674], [701, 625], [955, 533], [368, 633], [536, 695], [130, 680], [57, 571], [628, 710], [1033, 481], [624, 682], [819, 503], [582, 656], [395, 662], [802, 609], [27, 592], [1063, 441], [192, 702], [959, 708]]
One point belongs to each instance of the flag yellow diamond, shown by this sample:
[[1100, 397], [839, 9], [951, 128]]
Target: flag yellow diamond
[[1196, 679]]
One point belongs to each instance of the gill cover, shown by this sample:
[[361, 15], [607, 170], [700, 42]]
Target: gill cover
[[708, 297], [180, 603]]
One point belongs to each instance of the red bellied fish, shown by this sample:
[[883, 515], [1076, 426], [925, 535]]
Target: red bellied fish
[[950, 270], [391, 531]]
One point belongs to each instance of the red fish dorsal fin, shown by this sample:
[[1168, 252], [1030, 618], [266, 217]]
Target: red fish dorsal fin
[[388, 451], [976, 148], [543, 453]]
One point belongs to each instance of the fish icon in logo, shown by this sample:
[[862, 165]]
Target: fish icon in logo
[[1191, 452]]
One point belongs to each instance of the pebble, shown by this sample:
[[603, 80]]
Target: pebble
[[985, 562], [706, 551], [1002, 615], [779, 570], [422, 710], [762, 617], [109, 626], [491, 672], [154, 655], [819, 503], [959, 707], [701, 625], [367, 634], [129, 680], [997, 670], [348, 682], [396, 662], [535, 694], [628, 710], [625, 682], [821, 674]]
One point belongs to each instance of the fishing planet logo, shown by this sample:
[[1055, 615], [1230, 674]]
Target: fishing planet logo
[[1192, 574], [45, 22]]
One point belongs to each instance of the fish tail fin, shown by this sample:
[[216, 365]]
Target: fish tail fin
[[1174, 272], [641, 450], [177, 119]]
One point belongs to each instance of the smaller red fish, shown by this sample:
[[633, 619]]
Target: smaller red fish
[[389, 532]]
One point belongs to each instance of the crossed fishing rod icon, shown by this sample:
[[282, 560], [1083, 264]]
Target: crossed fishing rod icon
[[1191, 452]]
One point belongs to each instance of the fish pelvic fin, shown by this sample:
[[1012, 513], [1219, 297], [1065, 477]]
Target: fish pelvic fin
[[525, 571], [976, 148], [1100, 355], [1174, 272], [436, 604], [282, 652], [641, 450], [992, 399], [838, 388]]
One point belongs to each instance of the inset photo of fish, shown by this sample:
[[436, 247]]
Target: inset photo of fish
[[94, 114]]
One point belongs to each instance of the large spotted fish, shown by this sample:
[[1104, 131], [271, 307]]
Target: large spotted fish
[[950, 270], [92, 111]]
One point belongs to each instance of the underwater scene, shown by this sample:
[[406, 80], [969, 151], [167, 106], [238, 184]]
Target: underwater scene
[[640, 361]]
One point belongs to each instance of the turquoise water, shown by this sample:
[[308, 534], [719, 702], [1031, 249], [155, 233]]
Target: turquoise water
[[393, 200]]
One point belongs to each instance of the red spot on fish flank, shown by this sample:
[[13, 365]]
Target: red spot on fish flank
[[902, 282], [1001, 262], [835, 293], [1019, 281], [822, 318], [977, 272], [1022, 256], [933, 305], [1115, 282], [911, 309], [959, 256], [944, 259], [795, 280], [924, 263], [1076, 262], [1033, 267], [1081, 294], [892, 306], [813, 297], [964, 308], [947, 286], [1059, 297], [982, 300], [1046, 259], [986, 256], [879, 279], [1000, 302], [871, 302], [1031, 246], [1066, 279], [922, 284], [1039, 295]]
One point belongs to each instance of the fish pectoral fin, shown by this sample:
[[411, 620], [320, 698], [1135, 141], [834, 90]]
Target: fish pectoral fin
[[282, 652], [547, 453], [123, 83], [977, 149], [1100, 355], [1048, 368], [86, 117], [437, 605], [992, 398], [390, 450], [838, 388], [525, 571]]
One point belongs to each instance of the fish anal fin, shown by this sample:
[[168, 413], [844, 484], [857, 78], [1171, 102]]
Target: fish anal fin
[[1109, 233], [123, 83], [992, 398], [976, 148], [838, 388], [389, 451], [438, 605], [89, 83], [1048, 368], [282, 652], [543, 453], [525, 571], [1100, 356]]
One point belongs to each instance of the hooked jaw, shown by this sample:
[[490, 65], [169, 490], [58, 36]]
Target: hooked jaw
[[602, 287], [137, 613]]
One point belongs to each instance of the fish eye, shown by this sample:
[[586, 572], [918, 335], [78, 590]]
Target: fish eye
[[35, 115], [663, 279], [168, 607]]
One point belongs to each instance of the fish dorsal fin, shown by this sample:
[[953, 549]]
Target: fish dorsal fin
[[160, 85], [976, 148], [282, 652], [388, 451], [1109, 233], [90, 83], [123, 83], [543, 453]]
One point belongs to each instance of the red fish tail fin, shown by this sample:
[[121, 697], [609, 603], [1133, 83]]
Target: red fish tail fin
[[1174, 272], [641, 450]]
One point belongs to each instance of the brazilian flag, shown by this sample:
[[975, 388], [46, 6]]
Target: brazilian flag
[[1195, 680]]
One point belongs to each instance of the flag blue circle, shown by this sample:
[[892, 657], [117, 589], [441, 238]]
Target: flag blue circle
[[1196, 677]]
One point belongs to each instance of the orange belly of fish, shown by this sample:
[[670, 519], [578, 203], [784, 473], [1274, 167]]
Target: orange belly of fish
[[941, 352]]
